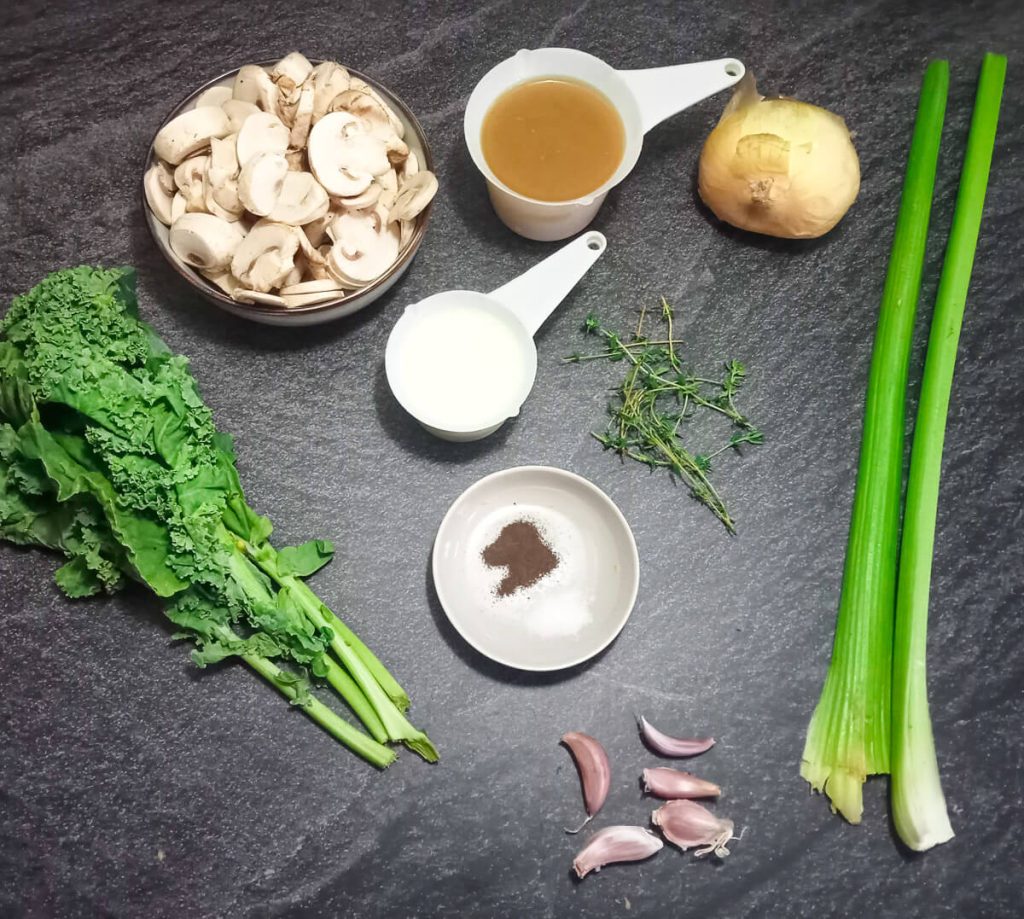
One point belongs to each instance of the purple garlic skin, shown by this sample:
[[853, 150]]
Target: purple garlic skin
[[672, 746], [616, 844], [688, 824], [672, 783], [595, 773]]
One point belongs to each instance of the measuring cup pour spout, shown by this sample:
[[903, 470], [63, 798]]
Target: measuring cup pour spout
[[533, 296]]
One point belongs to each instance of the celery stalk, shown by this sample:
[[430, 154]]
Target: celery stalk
[[848, 737], [918, 805]]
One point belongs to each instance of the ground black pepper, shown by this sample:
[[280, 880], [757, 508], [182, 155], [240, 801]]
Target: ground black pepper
[[521, 550]]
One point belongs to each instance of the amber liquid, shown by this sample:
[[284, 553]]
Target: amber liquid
[[553, 139]]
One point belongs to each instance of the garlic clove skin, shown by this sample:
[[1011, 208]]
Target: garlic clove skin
[[672, 783], [616, 844], [595, 772], [672, 746], [688, 824]]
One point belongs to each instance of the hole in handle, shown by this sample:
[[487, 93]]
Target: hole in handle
[[595, 242], [732, 69]]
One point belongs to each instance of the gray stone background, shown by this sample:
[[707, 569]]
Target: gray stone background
[[132, 784]]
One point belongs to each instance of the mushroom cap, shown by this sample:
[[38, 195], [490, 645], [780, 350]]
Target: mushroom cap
[[189, 132], [215, 95], [204, 241], [261, 133], [157, 196], [329, 80], [343, 157], [253, 84], [178, 206], [261, 181], [291, 72], [266, 256], [415, 193], [302, 200]]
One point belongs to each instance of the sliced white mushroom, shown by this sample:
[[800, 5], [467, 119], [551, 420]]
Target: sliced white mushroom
[[205, 241], [165, 177], [293, 300], [178, 206], [302, 200], [406, 228], [253, 84], [261, 133], [296, 274], [315, 230], [212, 195], [329, 80], [237, 111], [361, 253], [215, 95], [344, 158], [157, 197], [290, 73], [302, 118], [367, 198], [416, 192], [257, 296], [190, 177], [389, 189], [261, 181], [190, 132], [223, 279], [266, 256], [411, 165], [325, 286], [224, 157]]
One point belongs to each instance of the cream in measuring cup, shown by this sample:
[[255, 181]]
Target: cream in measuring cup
[[641, 99], [462, 362]]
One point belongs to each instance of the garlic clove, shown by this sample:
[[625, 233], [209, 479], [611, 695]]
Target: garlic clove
[[688, 824], [595, 773], [672, 746], [672, 783], [616, 844]]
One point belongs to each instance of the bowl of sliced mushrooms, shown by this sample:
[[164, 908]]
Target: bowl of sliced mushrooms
[[291, 192]]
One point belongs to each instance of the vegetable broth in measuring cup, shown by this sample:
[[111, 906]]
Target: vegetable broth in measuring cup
[[553, 139]]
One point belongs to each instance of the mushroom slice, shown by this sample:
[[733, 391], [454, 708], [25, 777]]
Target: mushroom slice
[[416, 193], [157, 197], [261, 133], [165, 177], [411, 165], [224, 157], [315, 230], [302, 118], [190, 132], [302, 200], [329, 80], [215, 95], [253, 84], [325, 286], [242, 295], [296, 160], [396, 122], [296, 274], [237, 111], [178, 206], [225, 280], [343, 158], [266, 256], [212, 206], [205, 241], [367, 198], [261, 182], [405, 233], [293, 300], [388, 189], [291, 71], [190, 177], [361, 254]]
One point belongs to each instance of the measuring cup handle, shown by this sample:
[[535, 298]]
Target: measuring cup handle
[[662, 91], [534, 295]]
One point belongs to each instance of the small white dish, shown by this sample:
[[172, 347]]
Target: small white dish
[[643, 98], [462, 363], [568, 616]]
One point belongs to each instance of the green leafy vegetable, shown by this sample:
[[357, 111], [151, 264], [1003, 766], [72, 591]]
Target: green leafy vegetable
[[657, 396], [848, 737], [918, 805], [109, 455]]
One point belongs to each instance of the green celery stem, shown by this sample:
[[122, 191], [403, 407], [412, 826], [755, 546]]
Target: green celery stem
[[848, 737], [356, 699], [918, 805]]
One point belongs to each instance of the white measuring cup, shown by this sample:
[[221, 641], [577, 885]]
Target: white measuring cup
[[643, 98], [462, 363]]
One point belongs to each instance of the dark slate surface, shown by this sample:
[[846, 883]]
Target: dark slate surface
[[133, 785]]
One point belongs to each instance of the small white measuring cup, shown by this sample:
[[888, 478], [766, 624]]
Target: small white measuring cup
[[462, 363], [643, 98]]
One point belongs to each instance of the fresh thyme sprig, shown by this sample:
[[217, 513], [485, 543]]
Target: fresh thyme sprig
[[657, 396]]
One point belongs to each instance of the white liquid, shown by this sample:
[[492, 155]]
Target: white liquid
[[463, 368]]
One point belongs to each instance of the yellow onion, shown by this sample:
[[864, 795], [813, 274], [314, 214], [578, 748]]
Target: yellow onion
[[778, 166]]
